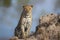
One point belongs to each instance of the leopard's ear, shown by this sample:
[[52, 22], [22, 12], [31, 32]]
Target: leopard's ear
[[32, 6], [23, 6]]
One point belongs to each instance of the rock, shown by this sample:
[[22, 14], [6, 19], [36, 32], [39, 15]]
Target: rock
[[14, 38], [48, 19], [49, 27]]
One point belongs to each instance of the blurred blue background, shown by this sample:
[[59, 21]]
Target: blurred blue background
[[9, 16]]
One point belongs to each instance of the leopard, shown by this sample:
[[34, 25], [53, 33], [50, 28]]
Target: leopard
[[23, 28]]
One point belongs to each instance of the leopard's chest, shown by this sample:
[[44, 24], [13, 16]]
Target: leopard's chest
[[27, 19]]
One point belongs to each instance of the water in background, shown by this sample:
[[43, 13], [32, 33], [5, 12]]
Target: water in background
[[9, 17]]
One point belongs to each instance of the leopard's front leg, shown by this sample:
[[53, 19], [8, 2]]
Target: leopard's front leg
[[22, 31], [28, 27]]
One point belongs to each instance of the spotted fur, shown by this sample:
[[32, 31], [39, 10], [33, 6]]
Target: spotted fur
[[25, 22]]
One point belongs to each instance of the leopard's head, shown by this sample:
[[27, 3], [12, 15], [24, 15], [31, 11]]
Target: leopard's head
[[27, 8]]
